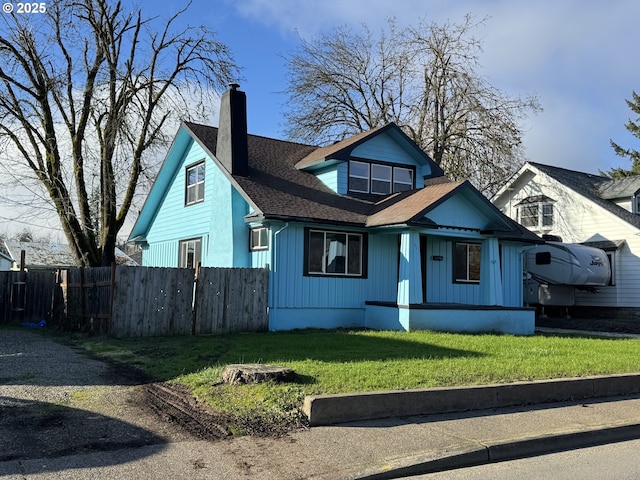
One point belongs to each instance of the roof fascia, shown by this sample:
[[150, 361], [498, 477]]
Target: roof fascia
[[224, 171], [513, 179], [167, 173]]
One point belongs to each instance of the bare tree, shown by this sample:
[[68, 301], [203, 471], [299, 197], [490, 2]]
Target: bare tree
[[426, 79], [87, 90]]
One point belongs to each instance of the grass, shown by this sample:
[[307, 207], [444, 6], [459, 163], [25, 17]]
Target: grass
[[342, 361]]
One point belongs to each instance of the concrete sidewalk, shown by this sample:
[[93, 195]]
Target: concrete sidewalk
[[390, 448]]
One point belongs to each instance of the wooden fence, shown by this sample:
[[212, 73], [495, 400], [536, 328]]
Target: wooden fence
[[147, 301], [29, 296]]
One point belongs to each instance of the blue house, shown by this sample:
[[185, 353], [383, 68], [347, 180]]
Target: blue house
[[367, 232]]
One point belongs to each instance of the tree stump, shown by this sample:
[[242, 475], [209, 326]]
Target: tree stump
[[256, 373]]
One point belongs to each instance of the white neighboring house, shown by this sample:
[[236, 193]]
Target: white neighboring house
[[583, 208]]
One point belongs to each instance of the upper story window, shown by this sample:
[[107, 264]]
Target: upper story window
[[536, 213], [378, 178], [194, 184]]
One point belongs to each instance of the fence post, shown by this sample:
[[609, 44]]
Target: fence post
[[194, 303], [112, 293]]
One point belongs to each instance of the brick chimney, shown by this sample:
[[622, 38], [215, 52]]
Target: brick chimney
[[231, 148]]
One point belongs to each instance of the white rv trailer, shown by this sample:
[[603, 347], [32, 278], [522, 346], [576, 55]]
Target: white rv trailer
[[554, 270]]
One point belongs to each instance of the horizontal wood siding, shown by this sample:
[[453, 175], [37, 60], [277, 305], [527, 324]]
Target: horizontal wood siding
[[329, 176], [383, 148], [218, 220]]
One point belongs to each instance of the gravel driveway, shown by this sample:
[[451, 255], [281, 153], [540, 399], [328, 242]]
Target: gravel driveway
[[55, 401]]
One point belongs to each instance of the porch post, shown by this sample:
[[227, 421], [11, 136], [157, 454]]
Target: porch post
[[409, 272], [490, 278]]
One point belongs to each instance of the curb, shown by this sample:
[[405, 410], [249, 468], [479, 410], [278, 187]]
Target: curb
[[494, 452], [334, 409]]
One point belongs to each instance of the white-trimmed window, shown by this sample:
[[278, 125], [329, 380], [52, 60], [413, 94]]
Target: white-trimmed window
[[259, 239], [379, 178], [402, 179], [194, 184], [358, 176], [466, 262], [190, 253], [536, 213], [335, 253]]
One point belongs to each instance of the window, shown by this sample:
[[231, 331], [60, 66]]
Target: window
[[379, 179], [335, 253], [194, 184], [536, 213], [259, 239], [359, 177], [402, 179], [466, 262], [190, 253]]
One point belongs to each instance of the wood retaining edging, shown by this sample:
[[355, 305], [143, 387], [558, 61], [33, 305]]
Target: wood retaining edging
[[332, 409]]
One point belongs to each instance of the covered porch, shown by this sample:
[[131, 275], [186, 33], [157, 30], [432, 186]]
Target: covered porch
[[432, 294]]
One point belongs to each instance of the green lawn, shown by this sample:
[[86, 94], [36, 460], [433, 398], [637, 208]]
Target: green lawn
[[341, 361]]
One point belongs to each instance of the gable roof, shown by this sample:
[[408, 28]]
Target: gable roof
[[596, 188], [278, 189], [619, 188], [342, 150]]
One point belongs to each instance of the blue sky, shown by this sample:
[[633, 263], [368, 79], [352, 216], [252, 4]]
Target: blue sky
[[579, 57]]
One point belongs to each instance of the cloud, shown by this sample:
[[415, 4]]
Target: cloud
[[575, 55]]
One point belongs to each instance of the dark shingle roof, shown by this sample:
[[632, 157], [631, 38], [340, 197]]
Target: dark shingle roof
[[278, 189], [590, 186]]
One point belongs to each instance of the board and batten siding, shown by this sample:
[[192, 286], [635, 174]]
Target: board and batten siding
[[577, 219], [441, 288], [291, 289], [218, 220]]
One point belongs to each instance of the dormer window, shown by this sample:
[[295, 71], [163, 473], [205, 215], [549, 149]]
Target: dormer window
[[379, 178]]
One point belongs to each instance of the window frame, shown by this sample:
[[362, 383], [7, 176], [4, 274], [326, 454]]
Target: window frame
[[183, 245], [362, 246], [259, 246], [359, 177], [539, 214], [392, 181], [379, 180], [198, 186], [456, 263], [398, 182]]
